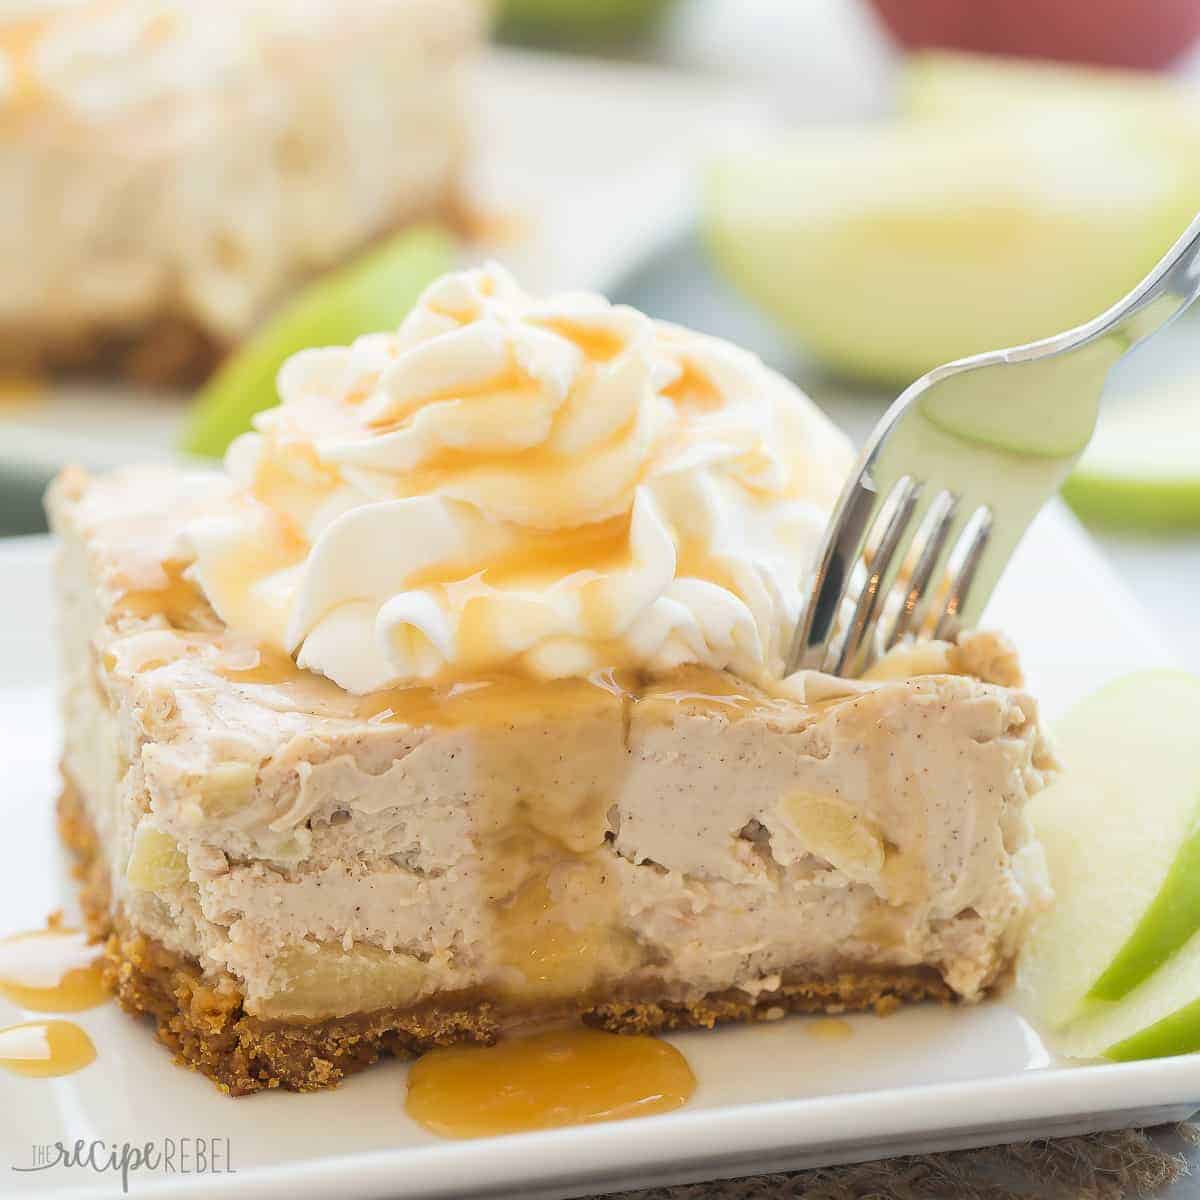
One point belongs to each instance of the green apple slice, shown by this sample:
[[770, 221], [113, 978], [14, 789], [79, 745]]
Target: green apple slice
[[373, 293], [970, 224], [887, 250], [975, 87], [1143, 467], [1159, 1018], [1122, 840], [577, 20]]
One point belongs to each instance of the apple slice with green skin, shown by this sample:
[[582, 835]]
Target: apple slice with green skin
[[1142, 469], [370, 294], [1121, 831], [1159, 1018], [885, 251], [559, 21]]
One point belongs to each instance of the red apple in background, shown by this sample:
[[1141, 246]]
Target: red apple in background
[[1119, 33]]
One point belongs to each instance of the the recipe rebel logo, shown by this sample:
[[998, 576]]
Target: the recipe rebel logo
[[164, 1156]]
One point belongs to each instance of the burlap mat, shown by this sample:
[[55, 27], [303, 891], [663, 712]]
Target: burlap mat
[[1104, 1166]]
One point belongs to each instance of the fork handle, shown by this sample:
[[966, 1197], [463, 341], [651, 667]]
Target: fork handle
[[1161, 297]]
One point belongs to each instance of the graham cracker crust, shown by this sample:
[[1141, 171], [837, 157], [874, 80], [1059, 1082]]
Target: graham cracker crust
[[173, 349], [201, 1019], [161, 351]]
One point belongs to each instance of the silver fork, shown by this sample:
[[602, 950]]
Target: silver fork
[[957, 469]]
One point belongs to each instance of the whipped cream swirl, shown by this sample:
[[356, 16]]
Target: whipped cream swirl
[[507, 484]]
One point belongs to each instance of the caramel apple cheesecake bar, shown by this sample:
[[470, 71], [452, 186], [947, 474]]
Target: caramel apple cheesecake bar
[[455, 704], [172, 168]]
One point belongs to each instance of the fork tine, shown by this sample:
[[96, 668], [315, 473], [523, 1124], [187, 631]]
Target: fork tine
[[843, 551], [975, 540], [885, 561], [932, 602], [936, 530]]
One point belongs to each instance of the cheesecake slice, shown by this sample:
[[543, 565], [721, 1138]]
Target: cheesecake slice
[[173, 169], [351, 771]]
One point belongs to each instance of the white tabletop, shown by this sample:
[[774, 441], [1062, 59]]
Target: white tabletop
[[1164, 574]]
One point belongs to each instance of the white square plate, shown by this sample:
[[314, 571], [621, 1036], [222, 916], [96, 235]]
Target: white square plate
[[770, 1097]]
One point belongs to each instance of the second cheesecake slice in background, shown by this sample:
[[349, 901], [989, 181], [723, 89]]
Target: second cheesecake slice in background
[[213, 156]]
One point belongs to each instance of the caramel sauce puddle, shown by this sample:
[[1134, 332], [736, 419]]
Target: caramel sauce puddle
[[45, 1048], [829, 1029], [52, 970], [545, 1081]]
